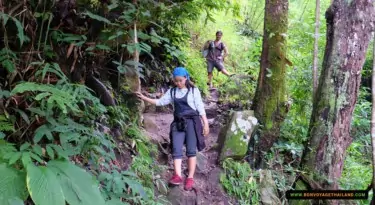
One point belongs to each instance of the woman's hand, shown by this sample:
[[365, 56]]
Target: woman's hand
[[141, 96], [206, 129]]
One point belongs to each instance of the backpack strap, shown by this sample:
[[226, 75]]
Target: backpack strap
[[221, 46], [173, 90]]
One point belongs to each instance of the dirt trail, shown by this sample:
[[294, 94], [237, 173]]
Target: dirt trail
[[207, 185]]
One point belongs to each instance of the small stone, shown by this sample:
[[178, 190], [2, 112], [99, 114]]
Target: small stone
[[162, 186], [201, 162]]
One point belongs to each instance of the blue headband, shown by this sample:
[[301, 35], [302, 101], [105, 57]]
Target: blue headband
[[181, 71]]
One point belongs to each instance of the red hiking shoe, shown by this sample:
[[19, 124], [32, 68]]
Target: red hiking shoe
[[189, 183], [175, 180]]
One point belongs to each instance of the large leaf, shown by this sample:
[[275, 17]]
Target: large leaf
[[78, 186], [20, 34], [15, 201], [116, 202], [44, 186], [97, 17], [12, 185]]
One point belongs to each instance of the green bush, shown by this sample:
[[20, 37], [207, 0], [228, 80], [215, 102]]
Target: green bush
[[238, 180]]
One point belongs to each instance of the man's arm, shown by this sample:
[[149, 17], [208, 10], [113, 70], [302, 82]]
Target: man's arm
[[226, 52]]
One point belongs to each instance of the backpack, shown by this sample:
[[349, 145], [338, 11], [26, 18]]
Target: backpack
[[211, 46]]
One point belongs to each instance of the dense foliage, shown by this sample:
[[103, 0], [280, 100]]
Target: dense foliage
[[57, 130]]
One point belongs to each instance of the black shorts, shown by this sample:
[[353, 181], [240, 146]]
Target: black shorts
[[219, 65]]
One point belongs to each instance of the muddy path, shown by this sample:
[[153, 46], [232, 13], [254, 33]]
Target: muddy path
[[208, 190]]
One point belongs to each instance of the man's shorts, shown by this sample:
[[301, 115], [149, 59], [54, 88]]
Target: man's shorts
[[219, 65]]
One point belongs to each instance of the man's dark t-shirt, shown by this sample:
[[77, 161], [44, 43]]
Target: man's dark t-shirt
[[215, 51]]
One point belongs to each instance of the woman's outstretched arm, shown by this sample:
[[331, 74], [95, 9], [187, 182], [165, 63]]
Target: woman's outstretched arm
[[164, 100]]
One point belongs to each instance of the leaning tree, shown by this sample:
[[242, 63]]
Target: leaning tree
[[349, 27]]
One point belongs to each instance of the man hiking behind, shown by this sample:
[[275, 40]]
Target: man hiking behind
[[216, 51]]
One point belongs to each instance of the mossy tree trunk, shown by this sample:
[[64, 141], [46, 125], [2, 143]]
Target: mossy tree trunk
[[270, 101], [349, 27], [373, 120], [132, 78]]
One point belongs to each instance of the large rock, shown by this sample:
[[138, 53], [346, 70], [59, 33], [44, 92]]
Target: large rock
[[178, 196], [267, 188], [157, 126], [149, 124], [234, 138]]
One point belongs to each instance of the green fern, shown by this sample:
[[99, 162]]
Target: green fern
[[5, 125], [52, 68], [7, 58], [21, 35], [56, 97]]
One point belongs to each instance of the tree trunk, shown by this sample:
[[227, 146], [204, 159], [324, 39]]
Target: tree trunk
[[373, 119], [133, 80], [349, 27], [316, 37], [270, 102]]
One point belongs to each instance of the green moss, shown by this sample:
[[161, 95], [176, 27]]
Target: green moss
[[236, 142]]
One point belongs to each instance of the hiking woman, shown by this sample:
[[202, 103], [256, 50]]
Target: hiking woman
[[186, 127]]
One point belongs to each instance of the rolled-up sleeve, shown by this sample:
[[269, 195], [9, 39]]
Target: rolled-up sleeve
[[199, 102], [165, 99]]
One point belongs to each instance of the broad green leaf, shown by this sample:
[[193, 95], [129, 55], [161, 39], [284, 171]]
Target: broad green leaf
[[90, 48], [41, 95], [50, 152], [104, 176], [12, 185], [45, 69], [38, 149], [15, 201], [97, 17], [135, 186], [116, 202], [23, 115], [142, 35], [37, 111], [44, 186], [113, 5], [26, 159], [9, 65], [5, 17], [2, 135], [16, 156], [60, 152], [43, 130], [4, 93], [118, 33], [24, 146], [103, 47], [36, 157], [78, 186], [20, 33]]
